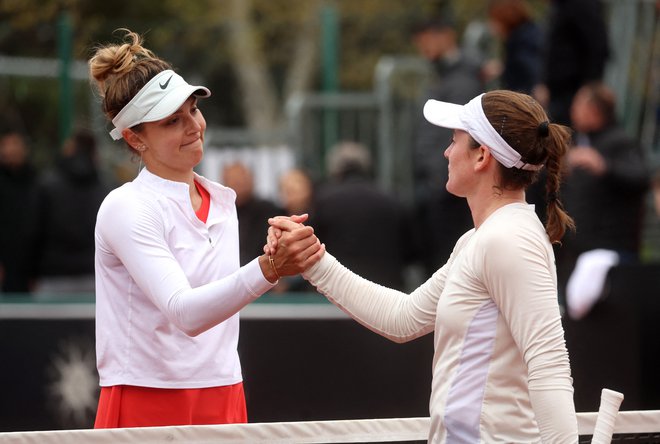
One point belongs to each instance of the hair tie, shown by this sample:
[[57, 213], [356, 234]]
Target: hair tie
[[552, 197], [543, 129]]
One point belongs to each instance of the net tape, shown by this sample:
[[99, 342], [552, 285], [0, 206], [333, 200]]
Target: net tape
[[345, 431]]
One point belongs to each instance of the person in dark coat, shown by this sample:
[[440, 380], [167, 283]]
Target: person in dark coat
[[68, 199], [512, 21], [605, 186], [442, 217], [576, 51], [17, 189], [367, 229]]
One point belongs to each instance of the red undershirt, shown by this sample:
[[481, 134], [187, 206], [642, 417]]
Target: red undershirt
[[203, 211]]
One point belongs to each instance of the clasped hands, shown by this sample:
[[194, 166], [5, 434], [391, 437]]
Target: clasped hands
[[291, 247]]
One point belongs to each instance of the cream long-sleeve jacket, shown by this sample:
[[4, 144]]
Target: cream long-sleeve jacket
[[501, 371], [169, 287]]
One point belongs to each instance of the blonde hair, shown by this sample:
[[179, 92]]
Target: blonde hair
[[121, 70]]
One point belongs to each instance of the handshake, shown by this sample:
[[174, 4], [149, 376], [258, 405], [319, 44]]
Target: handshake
[[291, 247]]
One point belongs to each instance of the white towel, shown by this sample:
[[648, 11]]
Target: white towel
[[585, 286]]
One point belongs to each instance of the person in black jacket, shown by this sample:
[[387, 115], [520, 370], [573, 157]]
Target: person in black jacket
[[441, 216], [17, 189], [576, 50], [512, 21], [368, 229], [605, 191], [68, 198]]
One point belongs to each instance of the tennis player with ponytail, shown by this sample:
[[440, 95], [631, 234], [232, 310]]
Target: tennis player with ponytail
[[168, 282], [501, 370]]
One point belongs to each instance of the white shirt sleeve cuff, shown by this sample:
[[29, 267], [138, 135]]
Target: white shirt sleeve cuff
[[254, 279], [314, 273]]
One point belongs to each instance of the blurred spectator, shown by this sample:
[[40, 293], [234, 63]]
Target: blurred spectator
[[512, 22], [68, 199], [442, 217], [605, 191], [368, 230], [576, 50], [253, 212], [296, 192], [17, 189], [478, 44], [655, 184]]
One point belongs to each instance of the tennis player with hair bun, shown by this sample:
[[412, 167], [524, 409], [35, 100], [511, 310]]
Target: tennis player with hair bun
[[168, 282], [501, 371]]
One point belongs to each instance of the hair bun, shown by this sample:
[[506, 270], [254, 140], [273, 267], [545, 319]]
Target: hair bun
[[543, 129]]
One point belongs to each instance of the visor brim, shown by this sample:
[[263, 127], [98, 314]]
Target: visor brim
[[173, 101], [444, 114]]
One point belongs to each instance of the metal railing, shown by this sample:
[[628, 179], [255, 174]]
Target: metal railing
[[317, 121], [383, 120], [633, 70]]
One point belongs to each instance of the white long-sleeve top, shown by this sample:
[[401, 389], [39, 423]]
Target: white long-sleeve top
[[501, 371], [169, 287]]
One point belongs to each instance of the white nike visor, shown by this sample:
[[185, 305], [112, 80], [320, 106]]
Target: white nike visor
[[159, 98], [472, 119]]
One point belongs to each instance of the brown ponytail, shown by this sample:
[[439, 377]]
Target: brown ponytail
[[558, 221], [528, 131]]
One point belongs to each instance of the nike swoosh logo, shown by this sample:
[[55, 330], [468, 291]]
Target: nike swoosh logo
[[164, 85]]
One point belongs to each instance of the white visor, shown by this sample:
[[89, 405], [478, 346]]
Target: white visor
[[471, 118], [159, 98]]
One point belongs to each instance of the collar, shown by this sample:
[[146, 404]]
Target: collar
[[222, 198]]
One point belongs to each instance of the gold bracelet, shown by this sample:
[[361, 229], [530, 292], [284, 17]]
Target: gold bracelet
[[272, 265]]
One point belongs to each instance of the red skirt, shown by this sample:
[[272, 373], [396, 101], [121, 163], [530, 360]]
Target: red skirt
[[131, 406]]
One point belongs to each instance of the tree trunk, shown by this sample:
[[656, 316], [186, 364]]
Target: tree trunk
[[302, 68], [259, 97]]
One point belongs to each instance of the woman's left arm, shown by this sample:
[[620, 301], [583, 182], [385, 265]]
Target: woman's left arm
[[520, 276]]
